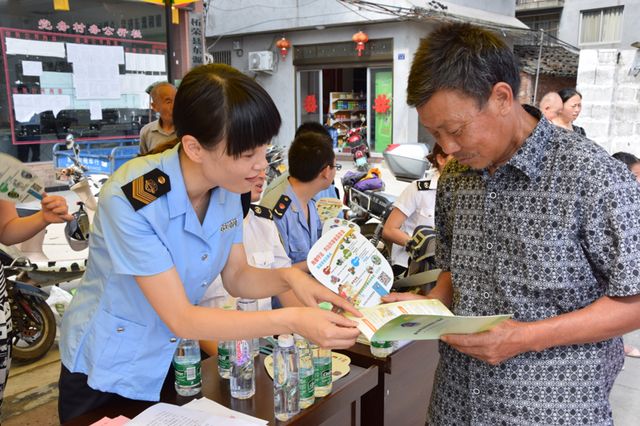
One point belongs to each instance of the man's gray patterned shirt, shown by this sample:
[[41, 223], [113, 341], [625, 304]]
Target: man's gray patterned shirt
[[550, 232]]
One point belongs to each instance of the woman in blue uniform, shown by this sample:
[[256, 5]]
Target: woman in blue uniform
[[166, 226]]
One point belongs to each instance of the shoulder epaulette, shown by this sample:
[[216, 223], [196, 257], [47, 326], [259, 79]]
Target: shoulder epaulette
[[423, 185], [262, 212], [147, 188], [281, 206]]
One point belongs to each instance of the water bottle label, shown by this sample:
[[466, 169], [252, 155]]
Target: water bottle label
[[322, 374], [307, 387], [187, 374], [224, 361], [243, 352]]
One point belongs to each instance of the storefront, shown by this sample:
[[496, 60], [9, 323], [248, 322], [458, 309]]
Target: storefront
[[349, 92], [83, 68]]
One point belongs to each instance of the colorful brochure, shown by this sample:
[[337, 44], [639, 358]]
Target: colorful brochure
[[329, 224], [328, 208], [17, 183], [347, 263], [422, 319]]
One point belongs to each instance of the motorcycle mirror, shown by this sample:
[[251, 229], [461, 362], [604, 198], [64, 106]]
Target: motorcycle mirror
[[70, 141]]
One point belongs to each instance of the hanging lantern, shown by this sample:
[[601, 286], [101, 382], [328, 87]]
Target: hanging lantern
[[283, 44], [360, 39], [60, 4]]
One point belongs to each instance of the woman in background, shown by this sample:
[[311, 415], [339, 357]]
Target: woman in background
[[571, 107]]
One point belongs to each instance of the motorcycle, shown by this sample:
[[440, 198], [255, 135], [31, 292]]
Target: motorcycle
[[275, 158], [369, 209], [358, 147], [34, 325], [407, 161], [87, 187], [421, 273]]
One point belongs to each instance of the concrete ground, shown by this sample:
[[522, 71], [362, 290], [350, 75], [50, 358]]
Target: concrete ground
[[31, 394]]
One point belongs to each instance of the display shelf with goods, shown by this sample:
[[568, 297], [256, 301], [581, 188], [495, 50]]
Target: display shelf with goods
[[347, 110]]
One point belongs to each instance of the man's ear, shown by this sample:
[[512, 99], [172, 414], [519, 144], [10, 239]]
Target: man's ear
[[325, 172], [192, 148], [502, 98]]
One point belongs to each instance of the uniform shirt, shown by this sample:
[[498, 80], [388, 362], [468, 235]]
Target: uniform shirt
[[277, 187], [550, 232], [152, 135], [297, 235], [110, 332], [419, 207], [263, 248]]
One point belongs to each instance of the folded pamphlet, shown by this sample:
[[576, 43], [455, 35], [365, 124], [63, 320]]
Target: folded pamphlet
[[421, 319]]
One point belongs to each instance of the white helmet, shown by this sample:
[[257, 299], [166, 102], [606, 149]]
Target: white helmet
[[77, 230]]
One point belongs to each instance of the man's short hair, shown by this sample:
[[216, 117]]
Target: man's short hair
[[311, 126], [155, 90], [464, 58], [548, 98], [309, 154]]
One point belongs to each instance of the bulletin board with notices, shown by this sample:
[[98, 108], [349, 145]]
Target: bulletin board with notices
[[90, 85]]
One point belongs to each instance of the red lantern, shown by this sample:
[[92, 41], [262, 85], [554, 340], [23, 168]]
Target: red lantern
[[284, 45], [360, 39]]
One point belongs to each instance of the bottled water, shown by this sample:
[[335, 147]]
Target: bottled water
[[186, 364], [250, 305], [285, 379], [243, 376], [381, 348], [321, 370], [306, 385], [224, 358]]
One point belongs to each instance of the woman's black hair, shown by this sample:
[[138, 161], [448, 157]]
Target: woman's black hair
[[433, 155], [216, 101], [568, 93]]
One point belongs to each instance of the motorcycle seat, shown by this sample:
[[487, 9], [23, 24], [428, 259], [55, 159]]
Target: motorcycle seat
[[380, 201]]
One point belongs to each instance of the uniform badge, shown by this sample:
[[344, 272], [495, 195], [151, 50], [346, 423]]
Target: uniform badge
[[262, 212], [423, 185], [229, 225], [147, 188], [281, 206]]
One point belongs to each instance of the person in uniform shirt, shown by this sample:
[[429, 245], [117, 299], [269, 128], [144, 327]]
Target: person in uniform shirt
[[14, 230], [166, 226], [161, 130], [415, 206], [312, 168], [532, 221], [263, 248], [277, 187]]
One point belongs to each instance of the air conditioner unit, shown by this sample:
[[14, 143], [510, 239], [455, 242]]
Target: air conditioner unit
[[261, 61]]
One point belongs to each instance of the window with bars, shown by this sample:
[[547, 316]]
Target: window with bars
[[601, 26], [222, 57]]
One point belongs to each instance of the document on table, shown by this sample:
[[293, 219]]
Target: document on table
[[163, 414]]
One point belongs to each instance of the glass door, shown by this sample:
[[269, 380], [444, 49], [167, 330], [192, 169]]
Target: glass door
[[380, 108], [309, 89]]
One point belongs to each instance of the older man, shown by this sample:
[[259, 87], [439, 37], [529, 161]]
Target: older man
[[533, 221], [551, 105], [162, 130]]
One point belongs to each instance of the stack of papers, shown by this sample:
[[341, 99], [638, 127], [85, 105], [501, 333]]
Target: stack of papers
[[202, 412]]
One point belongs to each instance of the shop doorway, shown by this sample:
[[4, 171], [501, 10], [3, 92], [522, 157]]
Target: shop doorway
[[344, 100]]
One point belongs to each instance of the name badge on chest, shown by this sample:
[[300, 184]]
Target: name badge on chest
[[229, 225]]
